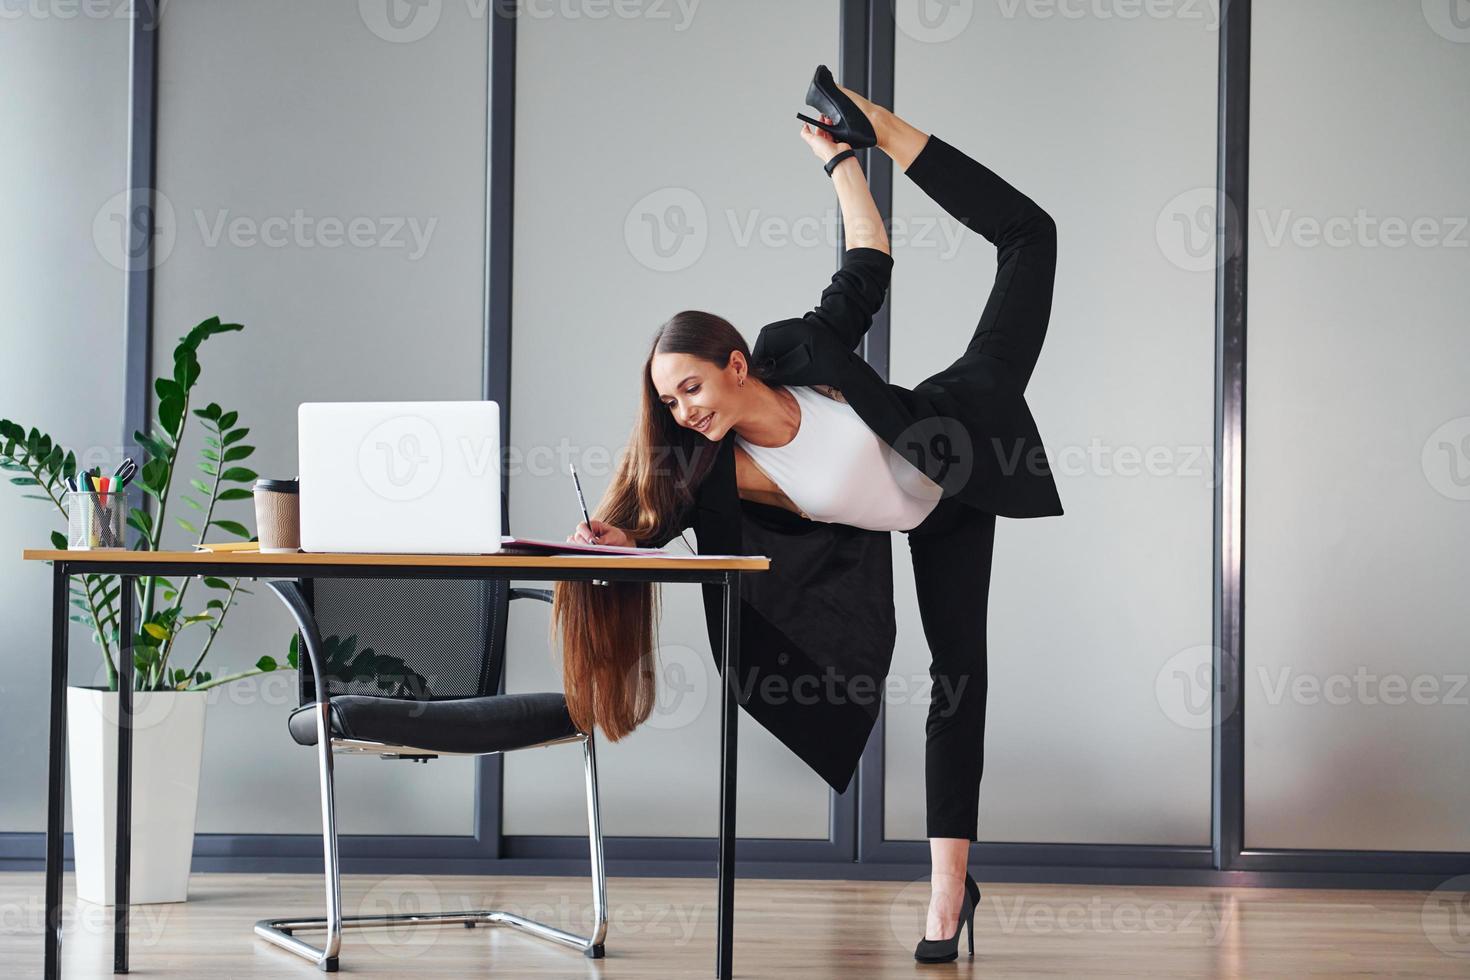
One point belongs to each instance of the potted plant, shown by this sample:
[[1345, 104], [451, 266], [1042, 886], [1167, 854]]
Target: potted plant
[[169, 647]]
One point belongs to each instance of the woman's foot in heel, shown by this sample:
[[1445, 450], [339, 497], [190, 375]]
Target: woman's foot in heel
[[951, 911]]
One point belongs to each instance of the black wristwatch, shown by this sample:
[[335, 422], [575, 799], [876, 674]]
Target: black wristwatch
[[831, 164]]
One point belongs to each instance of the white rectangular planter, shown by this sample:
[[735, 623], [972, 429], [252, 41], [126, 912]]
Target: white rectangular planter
[[168, 745]]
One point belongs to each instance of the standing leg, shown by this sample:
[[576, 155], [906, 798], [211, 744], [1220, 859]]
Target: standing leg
[[952, 579], [124, 839], [56, 763]]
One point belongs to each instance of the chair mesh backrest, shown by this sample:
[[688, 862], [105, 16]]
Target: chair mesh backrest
[[425, 639]]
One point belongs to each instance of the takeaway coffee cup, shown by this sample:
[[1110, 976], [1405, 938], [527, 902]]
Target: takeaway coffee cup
[[278, 515]]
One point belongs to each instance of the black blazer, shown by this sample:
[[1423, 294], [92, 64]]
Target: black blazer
[[817, 630]]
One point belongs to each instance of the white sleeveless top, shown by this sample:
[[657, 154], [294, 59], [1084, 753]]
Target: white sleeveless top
[[838, 470]]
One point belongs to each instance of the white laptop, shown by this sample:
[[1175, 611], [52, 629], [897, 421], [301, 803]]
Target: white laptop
[[400, 477]]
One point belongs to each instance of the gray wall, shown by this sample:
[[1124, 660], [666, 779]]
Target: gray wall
[[62, 161], [1086, 610], [691, 127], [1358, 429], [1100, 621]]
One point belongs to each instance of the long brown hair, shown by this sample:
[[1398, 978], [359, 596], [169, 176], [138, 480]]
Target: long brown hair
[[607, 633]]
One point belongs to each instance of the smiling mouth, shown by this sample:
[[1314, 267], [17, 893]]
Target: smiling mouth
[[703, 425]]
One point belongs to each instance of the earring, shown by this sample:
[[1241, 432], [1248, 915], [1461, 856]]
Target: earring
[[742, 381]]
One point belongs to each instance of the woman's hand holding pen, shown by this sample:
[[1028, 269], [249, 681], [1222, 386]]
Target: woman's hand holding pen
[[600, 532]]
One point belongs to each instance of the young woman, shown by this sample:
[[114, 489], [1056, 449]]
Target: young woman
[[797, 450]]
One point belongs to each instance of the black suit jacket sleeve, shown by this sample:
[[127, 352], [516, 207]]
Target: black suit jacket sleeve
[[854, 295]]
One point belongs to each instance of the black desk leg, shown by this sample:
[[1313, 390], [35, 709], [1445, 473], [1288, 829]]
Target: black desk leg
[[56, 768], [729, 740], [124, 775]]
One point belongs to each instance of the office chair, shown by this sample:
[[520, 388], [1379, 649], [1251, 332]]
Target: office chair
[[409, 669]]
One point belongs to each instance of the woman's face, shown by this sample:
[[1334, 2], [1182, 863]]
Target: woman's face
[[700, 395]]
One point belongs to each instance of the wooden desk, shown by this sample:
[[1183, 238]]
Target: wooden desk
[[128, 565]]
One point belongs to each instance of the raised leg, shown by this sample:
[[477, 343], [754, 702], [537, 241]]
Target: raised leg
[[121, 882], [56, 765]]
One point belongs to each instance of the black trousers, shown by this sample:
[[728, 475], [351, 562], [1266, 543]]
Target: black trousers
[[952, 548]]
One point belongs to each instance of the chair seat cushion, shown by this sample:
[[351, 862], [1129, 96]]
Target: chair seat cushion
[[490, 724]]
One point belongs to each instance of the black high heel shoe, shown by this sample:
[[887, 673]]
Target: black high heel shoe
[[945, 950], [848, 125]]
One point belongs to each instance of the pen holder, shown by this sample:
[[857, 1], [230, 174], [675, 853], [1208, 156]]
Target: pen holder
[[95, 520]]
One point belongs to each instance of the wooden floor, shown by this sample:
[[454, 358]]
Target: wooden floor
[[811, 930]]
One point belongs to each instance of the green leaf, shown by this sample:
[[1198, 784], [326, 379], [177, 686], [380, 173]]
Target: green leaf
[[293, 658], [155, 631], [239, 474], [216, 583], [236, 435], [192, 502], [235, 493], [186, 525], [208, 469], [171, 414], [265, 663], [209, 454], [58, 540], [25, 481], [215, 604], [238, 452], [155, 474], [228, 419], [141, 520], [199, 618], [200, 485], [167, 389], [234, 527], [186, 369]]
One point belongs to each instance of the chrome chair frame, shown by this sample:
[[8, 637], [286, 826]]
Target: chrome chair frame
[[281, 931]]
